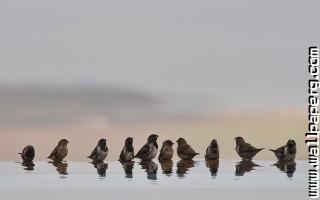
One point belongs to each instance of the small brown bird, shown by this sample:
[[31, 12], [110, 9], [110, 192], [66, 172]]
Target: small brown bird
[[127, 152], [100, 152], [60, 151], [166, 152], [149, 150], [286, 152], [27, 153], [245, 150], [184, 150], [212, 152]]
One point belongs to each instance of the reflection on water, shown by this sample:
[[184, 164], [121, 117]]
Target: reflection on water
[[101, 168], [128, 167], [245, 166], [28, 165], [151, 169], [166, 167], [183, 166], [287, 167], [203, 179], [213, 165], [61, 167]]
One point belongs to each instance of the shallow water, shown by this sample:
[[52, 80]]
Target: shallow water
[[225, 179]]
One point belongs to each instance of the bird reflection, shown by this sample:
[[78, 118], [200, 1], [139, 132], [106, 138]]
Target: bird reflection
[[183, 166], [287, 167], [166, 167], [128, 167], [213, 165], [101, 168], [28, 165], [61, 167], [151, 168], [245, 166]]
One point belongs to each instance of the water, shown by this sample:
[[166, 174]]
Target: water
[[226, 179]]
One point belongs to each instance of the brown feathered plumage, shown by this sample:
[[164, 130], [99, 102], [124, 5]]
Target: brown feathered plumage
[[245, 150], [184, 150]]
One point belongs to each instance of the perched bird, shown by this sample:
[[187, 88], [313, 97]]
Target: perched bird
[[166, 152], [100, 152], [127, 152], [184, 150], [212, 152], [60, 152], [245, 150], [286, 152], [149, 150], [27, 153]]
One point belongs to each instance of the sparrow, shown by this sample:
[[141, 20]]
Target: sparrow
[[27, 153], [60, 151], [184, 150], [100, 152], [149, 150], [127, 152], [166, 152], [287, 152], [212, 152], [245, 150], [245, 166], [213, 165]]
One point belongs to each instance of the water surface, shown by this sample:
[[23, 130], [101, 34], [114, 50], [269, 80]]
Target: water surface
[[225, 179]]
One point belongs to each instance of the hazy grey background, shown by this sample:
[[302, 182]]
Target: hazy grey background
[[133, 59]]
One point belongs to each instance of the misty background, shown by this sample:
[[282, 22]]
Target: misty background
[[131, 60]]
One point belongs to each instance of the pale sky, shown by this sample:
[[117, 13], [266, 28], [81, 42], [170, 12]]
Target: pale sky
[[209, 48]]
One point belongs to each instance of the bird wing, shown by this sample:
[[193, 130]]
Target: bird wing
[[161, 152], [187, 149], [54, 152], [122, 156], [207, 151], [143, 152], [247, 148], [93, 153]]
